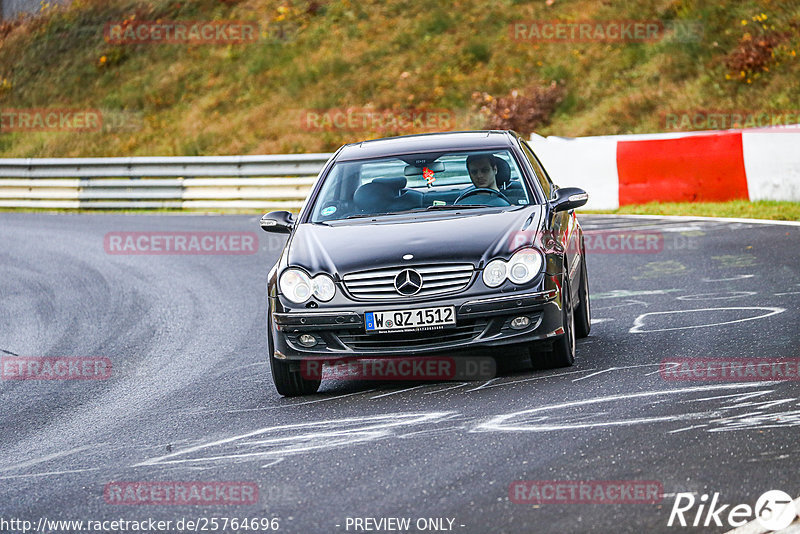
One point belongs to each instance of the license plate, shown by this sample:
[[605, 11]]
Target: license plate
[[409, 320]]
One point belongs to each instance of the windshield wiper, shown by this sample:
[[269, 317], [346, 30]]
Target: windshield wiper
[[364, 216], [457, 207], [416, 210]]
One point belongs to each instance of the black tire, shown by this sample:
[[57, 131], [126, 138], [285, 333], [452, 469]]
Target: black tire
[[288, 380], [563, 353], [583, 311]]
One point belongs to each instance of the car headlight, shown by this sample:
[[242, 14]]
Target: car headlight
[[495, 273], [520, 269], [298, 287], [524, 266], [324, 288]]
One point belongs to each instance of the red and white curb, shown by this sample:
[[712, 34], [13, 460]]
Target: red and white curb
[[716, 166]]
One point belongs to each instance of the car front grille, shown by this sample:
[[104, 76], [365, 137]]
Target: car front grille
[[429, 339], [378, 284]]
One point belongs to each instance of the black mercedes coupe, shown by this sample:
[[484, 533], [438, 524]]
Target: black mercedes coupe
[[435, 244]]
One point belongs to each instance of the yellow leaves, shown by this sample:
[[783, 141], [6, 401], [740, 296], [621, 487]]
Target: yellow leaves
[[283, 13]]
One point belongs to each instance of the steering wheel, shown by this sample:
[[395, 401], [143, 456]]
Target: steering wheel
[[482, 190]]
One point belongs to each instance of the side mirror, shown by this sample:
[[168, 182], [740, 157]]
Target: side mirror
[[279, 222], [569, 198]]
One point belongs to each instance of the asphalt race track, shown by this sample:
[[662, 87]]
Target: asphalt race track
[[190, 397]]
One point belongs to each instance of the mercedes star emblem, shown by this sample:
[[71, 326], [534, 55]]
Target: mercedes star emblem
[[408, 282]]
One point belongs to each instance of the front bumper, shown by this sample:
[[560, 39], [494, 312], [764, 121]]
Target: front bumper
[[480, 323]]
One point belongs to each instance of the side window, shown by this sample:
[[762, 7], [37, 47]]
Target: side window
[[541, 175]]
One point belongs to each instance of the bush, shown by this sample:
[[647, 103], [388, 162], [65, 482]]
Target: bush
[[523, 111]]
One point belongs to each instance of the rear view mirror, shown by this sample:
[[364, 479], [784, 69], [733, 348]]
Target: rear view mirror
[[569, 198], [279, 222], [412, 170]]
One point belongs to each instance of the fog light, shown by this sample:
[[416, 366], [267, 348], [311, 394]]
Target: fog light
[[520, 323], [307, 340]]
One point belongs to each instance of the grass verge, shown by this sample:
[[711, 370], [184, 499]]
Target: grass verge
[[762, 209]]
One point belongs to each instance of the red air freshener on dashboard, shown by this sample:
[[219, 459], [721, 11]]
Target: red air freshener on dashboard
[[428, 175]]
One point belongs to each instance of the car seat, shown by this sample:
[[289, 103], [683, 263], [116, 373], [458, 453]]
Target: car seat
[[383, 195]]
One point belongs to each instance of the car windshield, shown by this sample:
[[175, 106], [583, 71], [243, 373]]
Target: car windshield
[[420, 182]]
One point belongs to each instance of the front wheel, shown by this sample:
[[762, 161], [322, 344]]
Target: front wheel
[[563, 353], [583, 311], [288, 381]]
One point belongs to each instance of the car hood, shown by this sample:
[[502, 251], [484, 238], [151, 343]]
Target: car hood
[[345, 247]]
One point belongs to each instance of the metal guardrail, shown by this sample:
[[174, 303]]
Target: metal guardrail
[[222, 182]]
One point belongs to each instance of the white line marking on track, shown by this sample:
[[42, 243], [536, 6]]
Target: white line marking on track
[[535, 378], [638, 323], [625, 293], [738, 277], [287, 405], [484, 385], [629, 367], [718, 296], [310, 436], [50, 473], [329, 399], [462, 384], [47, 458], [595, 374], [686, 428], [398, 391], [499, 423]]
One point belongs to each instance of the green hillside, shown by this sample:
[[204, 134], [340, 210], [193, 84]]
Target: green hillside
[[459, 59]]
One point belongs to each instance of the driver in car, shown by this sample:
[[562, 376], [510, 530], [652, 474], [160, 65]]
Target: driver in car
[[482, 171]]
